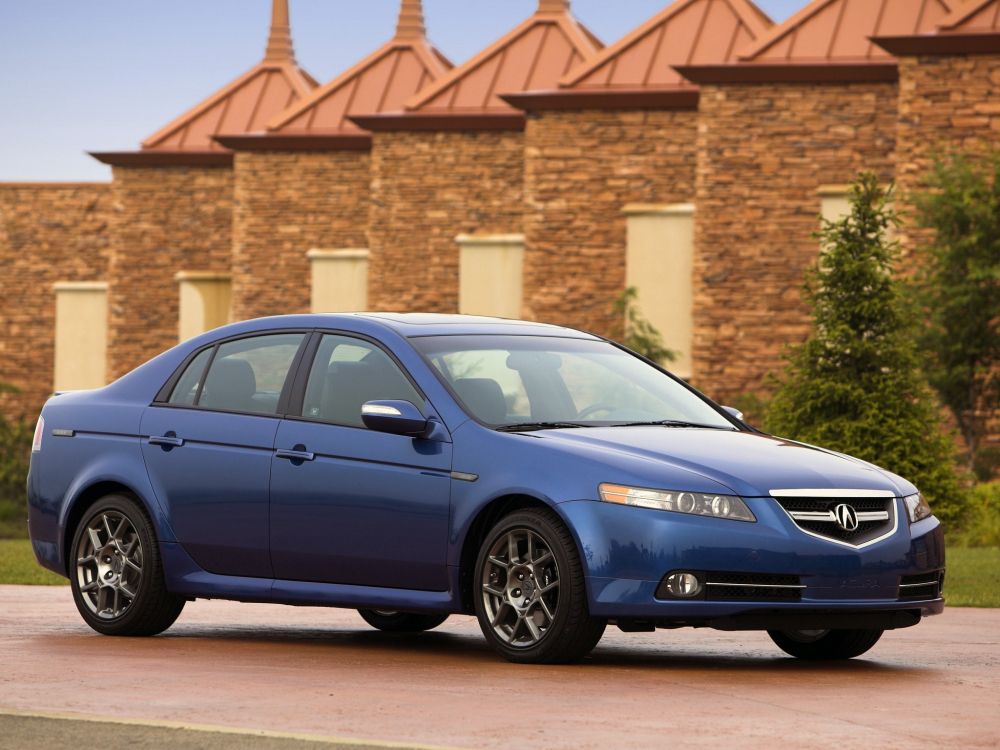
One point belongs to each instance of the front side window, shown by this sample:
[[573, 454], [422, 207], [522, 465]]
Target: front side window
[[508, 380], [347, 373], [247, 375]]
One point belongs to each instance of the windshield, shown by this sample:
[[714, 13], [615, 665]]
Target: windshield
[[515, 380]]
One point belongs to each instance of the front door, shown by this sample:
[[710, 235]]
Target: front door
[[208, 451], [350, 505]]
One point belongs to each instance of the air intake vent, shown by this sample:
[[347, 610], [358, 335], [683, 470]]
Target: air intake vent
[[850, 520], [921, 586], [752, 586]]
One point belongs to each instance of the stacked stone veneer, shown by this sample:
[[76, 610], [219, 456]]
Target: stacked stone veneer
[[288, 203], [426, 189], [763, 150], [581, 170], [48, 233], [947, 104], [167, 219]]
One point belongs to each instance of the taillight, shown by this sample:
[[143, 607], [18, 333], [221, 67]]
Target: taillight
[[36, 442]]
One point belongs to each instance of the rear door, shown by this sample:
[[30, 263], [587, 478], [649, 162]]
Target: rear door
[[348, 504], [208, 450]]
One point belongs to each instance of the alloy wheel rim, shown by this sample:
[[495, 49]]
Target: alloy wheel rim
[[109, 565], [520, 588]]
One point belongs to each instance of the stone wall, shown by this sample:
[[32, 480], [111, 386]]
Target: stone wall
[[763, 150], [288, 203], [947, 104], [427, 188], [48, 233], [167, 219], [581, 169]]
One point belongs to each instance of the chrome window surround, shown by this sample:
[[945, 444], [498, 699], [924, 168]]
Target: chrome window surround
[[846, 495]]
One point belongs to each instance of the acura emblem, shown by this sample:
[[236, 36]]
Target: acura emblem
[[847, 517]]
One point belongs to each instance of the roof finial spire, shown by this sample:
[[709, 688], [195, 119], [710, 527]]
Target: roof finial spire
[[553, 6], [411, 20], [279, 43]]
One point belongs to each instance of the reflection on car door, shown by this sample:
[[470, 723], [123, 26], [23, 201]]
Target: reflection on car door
[[350, 505], [208, 451]]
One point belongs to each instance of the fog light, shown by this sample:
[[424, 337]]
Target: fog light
[[683, 585]]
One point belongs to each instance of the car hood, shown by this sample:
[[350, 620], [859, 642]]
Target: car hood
[[749, 464]]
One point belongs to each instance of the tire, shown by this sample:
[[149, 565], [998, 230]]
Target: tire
[[825, 645], [116, 572], [529, 591], [400, 622]]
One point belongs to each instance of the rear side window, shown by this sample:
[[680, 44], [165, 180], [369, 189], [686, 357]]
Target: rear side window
[[246, 375], [186, 390], [348, 372]]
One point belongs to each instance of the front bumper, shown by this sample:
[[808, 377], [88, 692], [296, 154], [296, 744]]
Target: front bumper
[[627, 552]]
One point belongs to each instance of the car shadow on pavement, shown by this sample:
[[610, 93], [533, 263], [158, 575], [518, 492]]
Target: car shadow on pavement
[[459, 649]]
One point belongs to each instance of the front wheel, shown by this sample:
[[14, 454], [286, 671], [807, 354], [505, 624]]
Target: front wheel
[[529, 593], [400, 622], [116, 573], [825, 644]]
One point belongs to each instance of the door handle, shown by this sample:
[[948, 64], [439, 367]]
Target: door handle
[[295, 455], [167, 441]]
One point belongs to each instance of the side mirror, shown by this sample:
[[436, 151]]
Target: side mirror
[[733, 412], [395, 417]]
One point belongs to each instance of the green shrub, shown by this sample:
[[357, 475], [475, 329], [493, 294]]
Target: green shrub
[[982, 520], [641, 336], [15, 452], [958, 289], [855, 385]]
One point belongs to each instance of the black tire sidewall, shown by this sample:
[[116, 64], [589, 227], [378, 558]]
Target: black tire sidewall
[[539, 524], [834, 645], [140, 522], [401, 622]]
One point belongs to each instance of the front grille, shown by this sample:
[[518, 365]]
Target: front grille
[[752, 586], [875, 517], [922, 585]]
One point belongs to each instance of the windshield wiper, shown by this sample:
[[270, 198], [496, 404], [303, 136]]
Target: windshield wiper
[[671, 423], [519, 426]]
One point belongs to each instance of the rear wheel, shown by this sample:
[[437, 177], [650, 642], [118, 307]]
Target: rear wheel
[[825, 644], [530, 596], [400, 622], [116, 573]]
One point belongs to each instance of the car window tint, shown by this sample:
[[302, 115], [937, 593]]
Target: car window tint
[[468, 371], [186, 390], [247, 375], [348, 372]]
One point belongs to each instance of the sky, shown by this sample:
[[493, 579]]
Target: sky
[[101, 75]]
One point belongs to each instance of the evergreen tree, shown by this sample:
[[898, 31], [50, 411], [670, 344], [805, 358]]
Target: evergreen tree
[[855, 385], [958, 287]]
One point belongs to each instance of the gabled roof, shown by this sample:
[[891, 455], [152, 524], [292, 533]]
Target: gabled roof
[[973, 27], [830, 40], [535, 54], [637, 69], [381, 82], [243, 105]]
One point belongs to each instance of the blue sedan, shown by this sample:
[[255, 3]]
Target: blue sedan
[[415, 466]]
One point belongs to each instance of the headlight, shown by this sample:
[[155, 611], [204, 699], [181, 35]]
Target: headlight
[[695, 503], [916, 507]]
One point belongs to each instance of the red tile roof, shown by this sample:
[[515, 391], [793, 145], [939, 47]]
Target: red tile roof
[[381, 82], [972, 28], [830, 40], [535, 54], [686, 32], [243, 105]]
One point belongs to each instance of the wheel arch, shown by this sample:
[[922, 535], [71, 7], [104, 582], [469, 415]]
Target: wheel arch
[[484, 520], [87, 497]]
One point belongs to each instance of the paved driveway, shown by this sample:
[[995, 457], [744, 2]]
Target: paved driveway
[[324, 673]]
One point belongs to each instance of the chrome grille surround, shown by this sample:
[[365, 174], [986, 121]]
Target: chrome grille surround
[[814, 512]]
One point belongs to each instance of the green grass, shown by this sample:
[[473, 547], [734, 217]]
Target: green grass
[[973, 578], [17, 565]]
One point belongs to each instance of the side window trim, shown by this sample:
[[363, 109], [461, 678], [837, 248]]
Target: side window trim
[[163, 395], [305, 370]]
